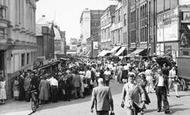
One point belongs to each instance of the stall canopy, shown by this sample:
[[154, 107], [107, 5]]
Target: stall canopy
[[139, 51], [121, 51], [115, 49], [104, 53]]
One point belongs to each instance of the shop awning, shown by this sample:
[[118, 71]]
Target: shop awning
[[115, 49], [104, 53], [120, 51], [136, 52]]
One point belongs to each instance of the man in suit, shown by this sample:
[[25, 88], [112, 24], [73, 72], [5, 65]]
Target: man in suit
[[102, 99]]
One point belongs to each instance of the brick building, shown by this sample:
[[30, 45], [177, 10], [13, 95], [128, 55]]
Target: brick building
[[90, 31], [45, 38]]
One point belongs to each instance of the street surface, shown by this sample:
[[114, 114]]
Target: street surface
[[179, 106]]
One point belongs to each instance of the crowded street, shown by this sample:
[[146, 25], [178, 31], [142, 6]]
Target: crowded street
[[179, 106], [94, 57]]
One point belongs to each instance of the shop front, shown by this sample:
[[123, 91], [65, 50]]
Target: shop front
[[168, 33], [170, 49]]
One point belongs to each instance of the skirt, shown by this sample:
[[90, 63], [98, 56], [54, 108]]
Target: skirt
[[16, 93], [3, 94]]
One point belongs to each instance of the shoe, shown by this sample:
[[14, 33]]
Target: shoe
[[167, 112], [159, 110], [178, 96]]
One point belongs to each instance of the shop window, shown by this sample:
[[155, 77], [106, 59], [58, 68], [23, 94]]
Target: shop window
[[22, 59], [167, 4], [1, 12], [185, 53], [185, 36], [133, 36]]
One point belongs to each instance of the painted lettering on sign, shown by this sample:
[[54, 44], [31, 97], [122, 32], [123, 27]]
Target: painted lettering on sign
[[186, 17]]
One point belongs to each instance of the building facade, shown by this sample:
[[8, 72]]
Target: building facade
[[59, 41], [18, 46], [125, 21], [45, 39], [85, 25], [116, 29], [106, 23], [90, 31], [172, 27], [138, 24]]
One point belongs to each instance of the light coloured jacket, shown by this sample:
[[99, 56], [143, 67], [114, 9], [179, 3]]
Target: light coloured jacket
[[132, 93], [102, 98]]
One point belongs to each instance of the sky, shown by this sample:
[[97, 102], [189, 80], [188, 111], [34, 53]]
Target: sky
[[66, 13]]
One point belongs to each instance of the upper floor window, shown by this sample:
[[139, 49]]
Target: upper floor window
[[167, 4], [160, 5], [2, 11], [125, 19], [174, 3], [22, 59], [28, 58], [119, 17]]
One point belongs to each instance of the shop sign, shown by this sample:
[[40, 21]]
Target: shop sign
[[186, 17], [95, 45], [168, 49], [167, 28], [167, 17], [184, 2]]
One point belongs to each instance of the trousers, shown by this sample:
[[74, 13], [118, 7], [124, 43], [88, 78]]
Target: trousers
[[161, 93], [102, 112]]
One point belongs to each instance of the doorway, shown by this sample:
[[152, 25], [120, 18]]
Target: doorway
[[2, 63]]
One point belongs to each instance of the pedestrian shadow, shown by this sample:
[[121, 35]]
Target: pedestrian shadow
[[115, 89], [174, 110], [18, 106], [185, 95], [150, 110], [176, 105]]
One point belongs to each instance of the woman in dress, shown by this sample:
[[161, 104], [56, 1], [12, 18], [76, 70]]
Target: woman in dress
[[3, 95], [149, 78], [16, 88], [44, 90]]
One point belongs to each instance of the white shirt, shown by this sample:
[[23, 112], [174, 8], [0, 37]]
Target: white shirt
[[172, 73], [131, 73], [53, 81], [107, 73], [160, 80], [98, 74], [88, 74], [148, 72]]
